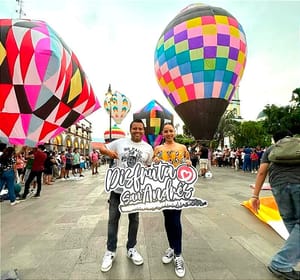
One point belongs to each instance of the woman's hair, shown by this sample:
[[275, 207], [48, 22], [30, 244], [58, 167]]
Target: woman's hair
[[168, 123]]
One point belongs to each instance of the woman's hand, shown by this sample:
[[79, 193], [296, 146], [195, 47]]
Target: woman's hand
[[188, 162], [156, 160]]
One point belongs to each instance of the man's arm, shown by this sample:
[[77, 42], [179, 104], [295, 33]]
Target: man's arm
[[260, 178], [103, 150]]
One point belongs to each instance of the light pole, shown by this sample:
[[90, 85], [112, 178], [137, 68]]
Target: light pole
[[109, 99]]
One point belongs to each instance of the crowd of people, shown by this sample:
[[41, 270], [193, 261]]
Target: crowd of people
[[34, 167], [246, 159]]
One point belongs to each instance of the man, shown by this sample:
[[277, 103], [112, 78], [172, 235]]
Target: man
[[69, 162], [203, 160], [39, 157], [285, 182], [94, 158], [127, 153]]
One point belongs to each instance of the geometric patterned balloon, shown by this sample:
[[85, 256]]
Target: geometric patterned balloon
[[120, 106], [154, 116], [199, 61], [43, 87]]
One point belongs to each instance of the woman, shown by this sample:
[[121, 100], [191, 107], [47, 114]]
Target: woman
[[7, 161], [175, 154]]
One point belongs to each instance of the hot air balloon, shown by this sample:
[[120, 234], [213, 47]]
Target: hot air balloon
[[120, 106], [43, 87], [116, 133], [199, 61], [154, 117]]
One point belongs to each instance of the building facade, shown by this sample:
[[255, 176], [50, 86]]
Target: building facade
[[78, 135]]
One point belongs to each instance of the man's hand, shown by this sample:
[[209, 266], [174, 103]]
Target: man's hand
[[113, 154], [255, 203]]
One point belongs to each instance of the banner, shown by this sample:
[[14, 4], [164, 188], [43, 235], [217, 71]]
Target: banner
[[160, 186]]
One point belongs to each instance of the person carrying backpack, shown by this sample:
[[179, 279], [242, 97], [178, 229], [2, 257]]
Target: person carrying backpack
[[285, 182]]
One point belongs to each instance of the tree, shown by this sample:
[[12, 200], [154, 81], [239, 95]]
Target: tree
[[251, 134], [285, 117], [227, 127]]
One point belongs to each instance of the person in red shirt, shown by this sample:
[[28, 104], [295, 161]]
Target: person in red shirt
[[36, 171]]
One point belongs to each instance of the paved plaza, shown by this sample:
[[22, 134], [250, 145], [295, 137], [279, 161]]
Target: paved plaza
[[62, 235]]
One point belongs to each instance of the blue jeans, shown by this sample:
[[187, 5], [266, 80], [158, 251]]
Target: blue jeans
[[174, 229], [287, 197], [113, 224], [8, 177]]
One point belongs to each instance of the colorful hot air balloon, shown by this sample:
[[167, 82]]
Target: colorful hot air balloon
[[116, 133], [43, 87], [199, 61], [120, 106], [154, 117]]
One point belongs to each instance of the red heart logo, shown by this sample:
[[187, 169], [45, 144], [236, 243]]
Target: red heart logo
[[186, 174]]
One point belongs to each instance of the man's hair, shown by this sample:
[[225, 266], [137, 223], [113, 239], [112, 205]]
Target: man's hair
[[136, 121], [41, 147], [281, 134]]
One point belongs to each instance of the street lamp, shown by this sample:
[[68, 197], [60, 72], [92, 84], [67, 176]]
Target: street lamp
[[108, 96]]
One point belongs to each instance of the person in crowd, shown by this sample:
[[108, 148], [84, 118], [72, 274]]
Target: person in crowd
[[175, 154], [285, 182], [254, 161], [28, 167], [8, 173], [62, 158], [76, 163], [36, 171], [69, 162], [194, 154], [20, 166], [48, 168], [126, 152], [82, 162], [203, 160], [94, 159], [246, 159], [55, 166]]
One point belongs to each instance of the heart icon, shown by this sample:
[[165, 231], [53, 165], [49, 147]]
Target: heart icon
[[186, 174]]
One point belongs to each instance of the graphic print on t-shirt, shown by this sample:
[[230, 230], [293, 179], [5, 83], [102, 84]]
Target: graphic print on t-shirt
[[130, 156]]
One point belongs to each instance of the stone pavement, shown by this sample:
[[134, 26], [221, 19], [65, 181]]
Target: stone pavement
[[62, 235]]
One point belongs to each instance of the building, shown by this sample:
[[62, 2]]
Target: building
[[78, 135], [235, 104]]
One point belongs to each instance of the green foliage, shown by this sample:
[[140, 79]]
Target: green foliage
[[251, 134], [184, 139], [286, 117]]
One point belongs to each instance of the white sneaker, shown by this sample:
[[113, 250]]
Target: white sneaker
[[168, 256], [134, 255], [107, 261], [15, 202], [179, 266]]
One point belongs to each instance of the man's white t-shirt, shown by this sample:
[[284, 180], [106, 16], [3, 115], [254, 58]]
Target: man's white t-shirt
[[130, 153]]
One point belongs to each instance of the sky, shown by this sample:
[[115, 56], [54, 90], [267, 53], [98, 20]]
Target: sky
[[115, 41]]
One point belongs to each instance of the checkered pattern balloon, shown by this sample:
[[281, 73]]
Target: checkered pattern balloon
[[43, 87], [154, 117], [200, 55]]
